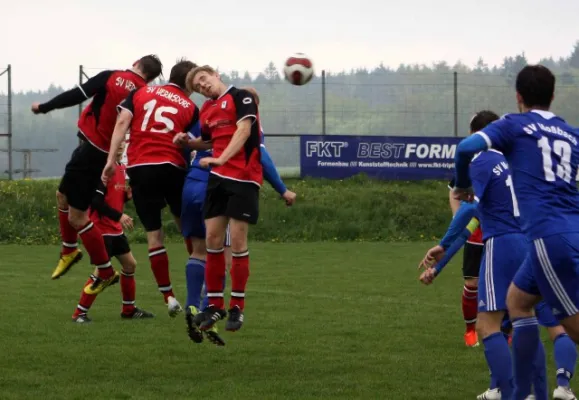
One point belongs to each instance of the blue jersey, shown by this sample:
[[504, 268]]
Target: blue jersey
[[542, 151], [493, 188]]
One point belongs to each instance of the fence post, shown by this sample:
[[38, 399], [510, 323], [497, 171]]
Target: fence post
[[455, 76], [80, 73], [10, 165], [323, 102]]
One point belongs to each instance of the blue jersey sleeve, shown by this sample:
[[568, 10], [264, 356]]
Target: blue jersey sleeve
[[460, 221], [452, 250], [499, 135], [270, 172], [195, 130], [465, 151], [480, 174]]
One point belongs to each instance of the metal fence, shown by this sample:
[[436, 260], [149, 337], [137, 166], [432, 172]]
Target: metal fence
[[381, 102], [6, 168]]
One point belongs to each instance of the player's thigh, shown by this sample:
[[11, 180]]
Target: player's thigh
[[146, 185], [243, 205], [122, 252], [119, 245], [216, 198], [501, 259], [192, 221], [174, 183], [108, 240], [555, 261], [82, 176], [471, 260]]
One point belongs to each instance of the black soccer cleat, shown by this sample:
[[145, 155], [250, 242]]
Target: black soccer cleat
[[138, 314], [212, 315], [193, 319], [235, 320]]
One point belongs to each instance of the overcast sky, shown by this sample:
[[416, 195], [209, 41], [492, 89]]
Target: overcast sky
[[45, 41]]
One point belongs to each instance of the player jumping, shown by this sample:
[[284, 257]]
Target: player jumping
[[229, 121], [543, 155], [155, 165], [106, 212], [82, 173], [193, 227]]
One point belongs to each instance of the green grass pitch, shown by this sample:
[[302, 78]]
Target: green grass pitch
[[323, 321]]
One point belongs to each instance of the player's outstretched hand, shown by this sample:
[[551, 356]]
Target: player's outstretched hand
[[428, 276], [463, 194], [126, 222], [35, 108], [289, 197], [181, 139], [108, 172], [432, 256], [210, 162]]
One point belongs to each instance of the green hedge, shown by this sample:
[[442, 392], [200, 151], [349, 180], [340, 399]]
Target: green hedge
[[347, 210]]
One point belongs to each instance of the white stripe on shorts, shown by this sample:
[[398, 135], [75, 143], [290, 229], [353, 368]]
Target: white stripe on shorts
[[553, 279], [489, 277]]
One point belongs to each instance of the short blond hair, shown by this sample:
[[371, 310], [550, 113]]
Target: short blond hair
[[193, 73]]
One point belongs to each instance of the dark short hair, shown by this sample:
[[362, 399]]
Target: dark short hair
[[151, 66], [179, 72], [482, 119], [536, 85]]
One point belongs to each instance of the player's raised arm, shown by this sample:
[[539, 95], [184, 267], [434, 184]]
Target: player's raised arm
[[74, 96], [123, 124]]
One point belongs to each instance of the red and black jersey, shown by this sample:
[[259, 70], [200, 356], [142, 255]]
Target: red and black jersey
[[108, 204], [159, 113], [219, 119], [107, 89], [477, 236]]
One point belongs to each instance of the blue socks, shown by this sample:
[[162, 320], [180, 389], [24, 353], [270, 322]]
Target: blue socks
[[565, 358], [499, 361], [540, 384], [195, 273], [526, 343]]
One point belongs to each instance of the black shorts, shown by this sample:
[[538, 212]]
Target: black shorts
[[82, 175], [154, 187], [233, 199], [471, 259], [116, 245]]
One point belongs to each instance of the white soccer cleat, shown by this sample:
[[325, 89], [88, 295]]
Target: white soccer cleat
[[173, 306], [490, 394], [563, 393], [530, 397]]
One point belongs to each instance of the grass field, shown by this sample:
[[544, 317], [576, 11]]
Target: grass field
[[323, 321]]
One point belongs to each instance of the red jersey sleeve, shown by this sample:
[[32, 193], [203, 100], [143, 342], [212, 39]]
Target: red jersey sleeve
[[245, 105], [127, 103]]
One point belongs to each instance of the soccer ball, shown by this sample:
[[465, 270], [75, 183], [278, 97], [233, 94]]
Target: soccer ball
[[298, 69]]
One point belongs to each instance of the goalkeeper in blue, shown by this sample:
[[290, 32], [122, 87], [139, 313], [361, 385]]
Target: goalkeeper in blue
[[543, 154], [193, 228], [505, 249]]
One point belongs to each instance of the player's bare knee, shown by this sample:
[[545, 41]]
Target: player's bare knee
[[61, 201], [519, 303], [129, 267], [155, 239], [472, 282], [555, 332], [488, 323], [77, 219], [238, 231], [571, 326]]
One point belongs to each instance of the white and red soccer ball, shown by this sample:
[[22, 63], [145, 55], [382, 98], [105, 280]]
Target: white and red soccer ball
[[298, 69]]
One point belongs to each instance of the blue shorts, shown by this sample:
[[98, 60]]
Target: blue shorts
[[503, 255], [192, 220], [552, 272]]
